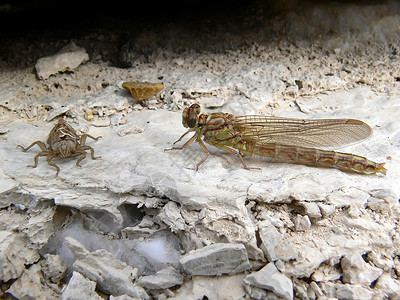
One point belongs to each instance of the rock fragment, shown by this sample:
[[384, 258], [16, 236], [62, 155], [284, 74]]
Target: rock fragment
[[15, 253], [388, 285], [79, 287], [112, 275], [170, 214], [163, 279], [53, 268], [31, 285], [269, 278], [142, 90], [68, 58], [216, 259], [302, 223], [357, 271], [353, 292], [274, 245], [312, 210]]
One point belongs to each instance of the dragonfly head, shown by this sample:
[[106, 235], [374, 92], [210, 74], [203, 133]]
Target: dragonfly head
[[190, 116]]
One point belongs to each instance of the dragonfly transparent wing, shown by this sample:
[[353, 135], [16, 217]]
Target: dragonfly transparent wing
[[326, 133]]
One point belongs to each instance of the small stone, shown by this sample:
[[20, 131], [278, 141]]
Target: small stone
[[326, 209], [274, 245], [163, 279], [14, 255], [142, 90], [390, 286], [269, 278], [216, 259], [302, 223], [53, 268], [30, 285], [79, 287], [357, 271], [383, 263], [68, 58], [316, 289], [352, 292], [353, 211], [312, 210], [170, 214]]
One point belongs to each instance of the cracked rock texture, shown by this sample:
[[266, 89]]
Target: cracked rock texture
[[141, 223]]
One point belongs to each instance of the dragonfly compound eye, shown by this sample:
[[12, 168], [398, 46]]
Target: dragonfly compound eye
[[190, 116]]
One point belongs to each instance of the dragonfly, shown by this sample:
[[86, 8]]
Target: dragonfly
[[284, 139]]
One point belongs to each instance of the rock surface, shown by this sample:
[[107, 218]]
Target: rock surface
[[163, 279], [80, 287], [216, 259], [270, 278]]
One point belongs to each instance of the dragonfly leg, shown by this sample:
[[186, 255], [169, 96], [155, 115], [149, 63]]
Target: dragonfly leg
[[205, 149], [178, 140], [233, 151], [187, 144]]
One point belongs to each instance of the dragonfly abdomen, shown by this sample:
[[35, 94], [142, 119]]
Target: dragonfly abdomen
[[323, 158]]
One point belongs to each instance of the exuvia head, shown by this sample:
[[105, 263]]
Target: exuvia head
[[190, 116]]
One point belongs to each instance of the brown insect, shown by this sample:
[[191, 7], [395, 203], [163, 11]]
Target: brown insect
[[63, 141]]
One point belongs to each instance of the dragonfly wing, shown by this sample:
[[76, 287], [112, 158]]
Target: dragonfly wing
[[327, 133]]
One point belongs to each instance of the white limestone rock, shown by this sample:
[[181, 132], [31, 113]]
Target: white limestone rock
[[271, 279], [163, 279], [274, 244], [302, 223], [216, 259], [213, 287], [353, 292], [15, 252], [53, 268], [112, 275], [170, 214], [389, 286], [31, 285], [79, 287], [357, 271], [68, 58]]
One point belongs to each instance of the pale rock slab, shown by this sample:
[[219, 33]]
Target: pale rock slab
[[269, 278], [122, 297], [68, 58], [80, 287], [274, 244], [219, 287], [163, 279], [216, 259], [357, 271], [302, 223], [15, 252], [112, 275], [53, 268], [353, 292], [170, 215], [389, 286], [31, 285]]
